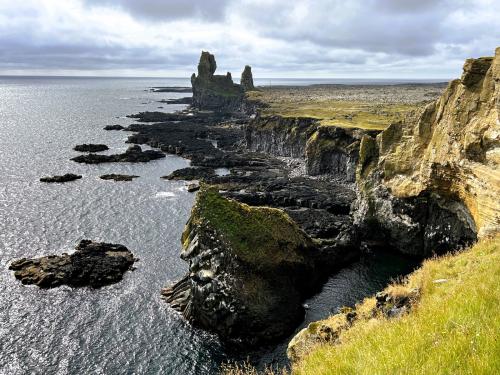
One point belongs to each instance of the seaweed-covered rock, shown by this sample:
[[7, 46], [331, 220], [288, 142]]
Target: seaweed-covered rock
[[134, 154], [59, 179], [93, 264], [247, 79], [214, 92], [91, 147], [249, 269]]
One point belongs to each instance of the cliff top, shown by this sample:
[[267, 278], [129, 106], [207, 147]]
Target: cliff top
[[371, 107]]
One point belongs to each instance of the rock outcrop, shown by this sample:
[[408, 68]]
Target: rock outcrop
[[431, 183], [214, 92], [60, 179], [249, 269], [247, 79], [93, 264], [118, 177], [134, 154], [91, 147]]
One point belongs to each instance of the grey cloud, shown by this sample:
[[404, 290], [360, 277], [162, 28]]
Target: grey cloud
[[166, 10]]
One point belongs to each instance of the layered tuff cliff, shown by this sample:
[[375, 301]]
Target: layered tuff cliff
[[431, 182]]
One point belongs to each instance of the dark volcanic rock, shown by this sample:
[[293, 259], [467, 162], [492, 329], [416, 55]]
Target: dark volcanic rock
[[134, 154], [200, 173], [118, 177], [247, 79], [113, 127], [91, 148], [250, 268], [93, 264], [172, 89], [214, 92], [193, 187], [186, 100], [64, 178], [156, 116]]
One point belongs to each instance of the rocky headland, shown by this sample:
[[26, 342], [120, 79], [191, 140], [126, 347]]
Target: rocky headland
[[93, 264]]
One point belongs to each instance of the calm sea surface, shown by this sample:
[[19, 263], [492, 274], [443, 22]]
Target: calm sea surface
[[124, 328]]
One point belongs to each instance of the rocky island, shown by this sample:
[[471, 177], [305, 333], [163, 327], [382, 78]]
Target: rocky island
[[93, 264]]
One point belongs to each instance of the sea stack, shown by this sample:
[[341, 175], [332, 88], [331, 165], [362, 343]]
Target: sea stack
[[213, 92], [247, 79]]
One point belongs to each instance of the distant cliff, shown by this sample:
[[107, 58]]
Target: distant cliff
[[218, 92]]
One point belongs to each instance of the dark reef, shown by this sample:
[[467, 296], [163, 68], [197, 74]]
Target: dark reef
[[93, 264], [59, 179]]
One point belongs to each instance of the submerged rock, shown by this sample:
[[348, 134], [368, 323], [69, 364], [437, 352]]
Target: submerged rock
[[59, 179], [118, 177], [93, 264], [249, 269], [134, 154], [91, 148]]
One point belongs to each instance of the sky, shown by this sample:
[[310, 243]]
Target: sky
[[278, 38]]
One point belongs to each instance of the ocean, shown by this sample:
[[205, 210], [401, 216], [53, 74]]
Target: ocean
[[124, 328]]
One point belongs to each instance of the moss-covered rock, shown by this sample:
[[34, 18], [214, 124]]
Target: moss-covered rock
[[249, 269]]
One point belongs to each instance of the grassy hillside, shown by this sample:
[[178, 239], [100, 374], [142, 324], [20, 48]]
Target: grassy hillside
[[453, 328]]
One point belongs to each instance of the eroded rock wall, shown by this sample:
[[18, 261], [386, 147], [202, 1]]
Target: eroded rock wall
[[431, 183]]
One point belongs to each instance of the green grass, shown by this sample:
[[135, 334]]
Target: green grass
[[454, 327], [347, 114], [261, 236]]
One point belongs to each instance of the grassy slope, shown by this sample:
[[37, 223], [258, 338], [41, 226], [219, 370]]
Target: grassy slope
[[453, 329]]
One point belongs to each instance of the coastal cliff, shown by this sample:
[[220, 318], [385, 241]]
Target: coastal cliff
[[249, 268], [431, 182]]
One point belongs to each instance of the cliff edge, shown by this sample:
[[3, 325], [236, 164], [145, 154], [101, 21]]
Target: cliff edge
[[431, 182]]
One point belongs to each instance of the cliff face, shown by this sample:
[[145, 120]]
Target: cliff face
[[432, 181], [214, 92], [326, 149], [249, 268]]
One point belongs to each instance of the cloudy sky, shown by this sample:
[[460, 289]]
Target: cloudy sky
[[279, 38]]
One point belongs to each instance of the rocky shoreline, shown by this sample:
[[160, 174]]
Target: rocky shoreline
[[307, 195]]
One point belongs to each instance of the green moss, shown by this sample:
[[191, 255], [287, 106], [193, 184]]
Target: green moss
[[258, 235]]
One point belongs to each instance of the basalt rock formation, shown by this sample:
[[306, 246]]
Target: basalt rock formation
[[118, 177], [93, 264], [134, 154], [249, 269], [431, 183], [247, 79], [214, 92]]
